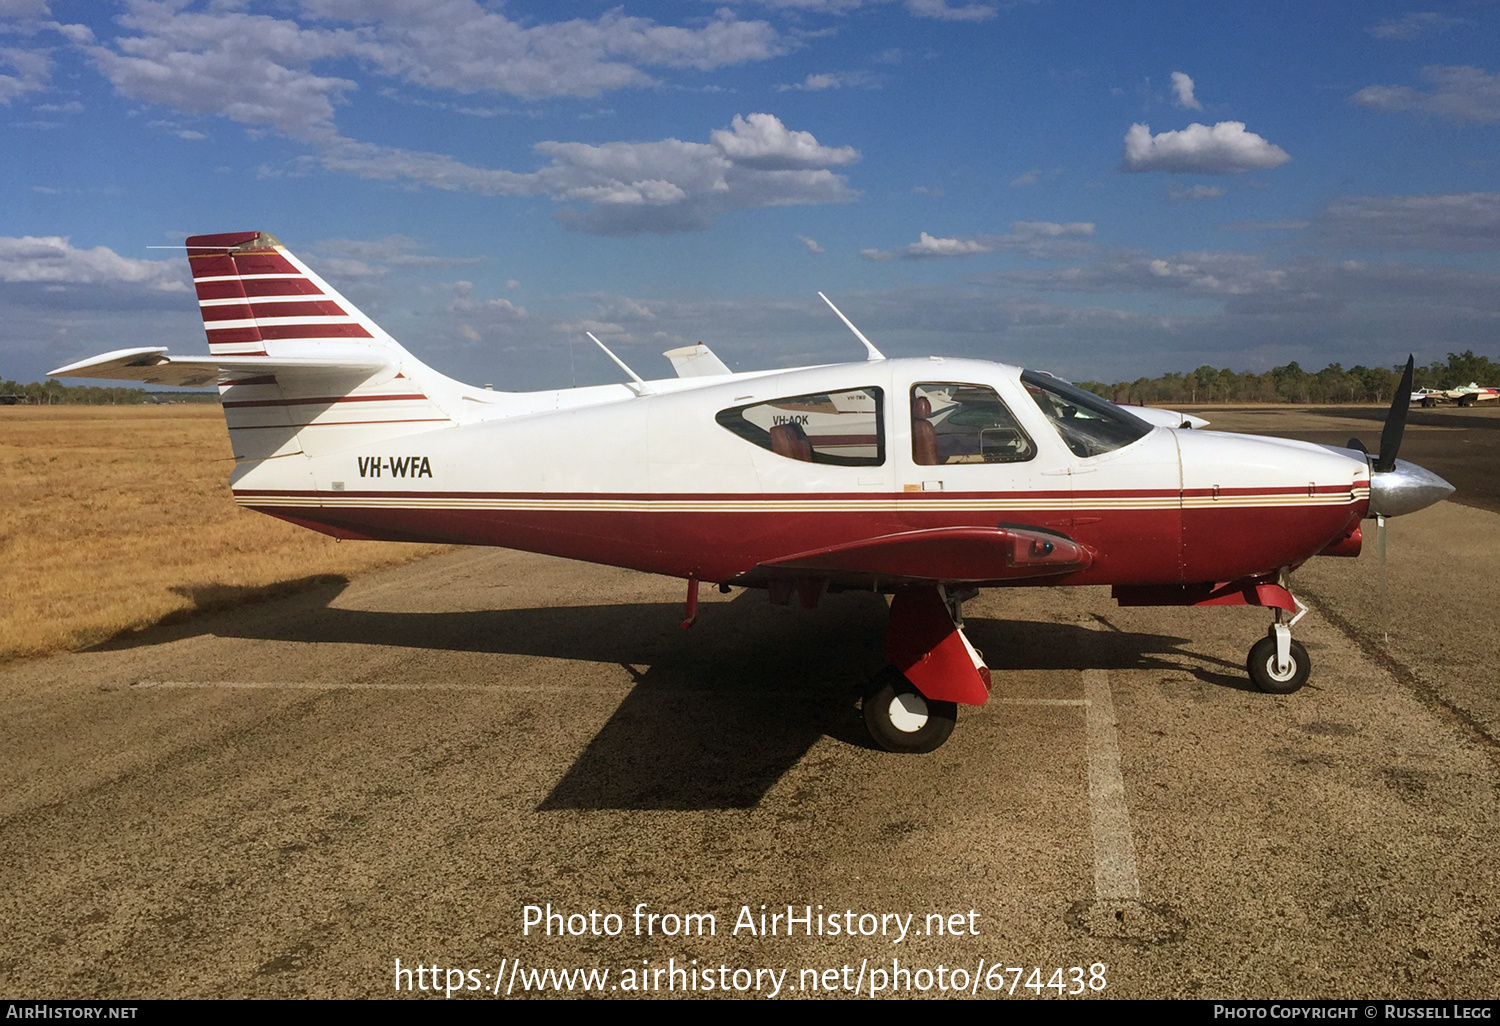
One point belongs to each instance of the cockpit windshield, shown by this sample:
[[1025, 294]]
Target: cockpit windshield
[[1088, 424]]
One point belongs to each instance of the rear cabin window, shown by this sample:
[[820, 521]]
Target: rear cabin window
[[840, 428], [954, 423]]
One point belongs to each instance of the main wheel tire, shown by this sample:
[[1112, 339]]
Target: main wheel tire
[[901, 719], [1263, 672]]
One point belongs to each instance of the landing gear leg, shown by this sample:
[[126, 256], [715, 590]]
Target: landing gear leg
[[912, 706], [1276, 663]]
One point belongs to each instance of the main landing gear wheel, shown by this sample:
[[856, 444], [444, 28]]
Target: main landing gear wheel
[[1264, 673], [902, 719]]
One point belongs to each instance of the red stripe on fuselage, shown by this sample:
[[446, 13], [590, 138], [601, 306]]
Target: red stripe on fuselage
[[1134, 546]]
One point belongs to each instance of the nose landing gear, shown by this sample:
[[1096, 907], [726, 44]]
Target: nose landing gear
[[1277, 664]]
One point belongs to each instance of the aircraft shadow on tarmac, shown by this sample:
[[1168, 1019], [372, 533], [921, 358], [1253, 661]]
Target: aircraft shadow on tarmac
[[717, 714]]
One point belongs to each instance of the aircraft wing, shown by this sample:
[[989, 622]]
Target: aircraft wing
[[948, 555], [152, 365]]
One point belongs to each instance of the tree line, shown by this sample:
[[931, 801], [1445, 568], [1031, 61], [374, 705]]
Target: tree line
[[53, 392], [1292, 384]]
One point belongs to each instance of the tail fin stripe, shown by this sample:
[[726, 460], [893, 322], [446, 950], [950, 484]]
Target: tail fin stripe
[[324, 312], [305, 332], [205, 304], [201, 278], [257, 289], [221, 336], [241, 264]]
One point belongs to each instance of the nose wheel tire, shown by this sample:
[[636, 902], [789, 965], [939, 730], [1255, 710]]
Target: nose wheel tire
[[1265, 674], [901, 719]]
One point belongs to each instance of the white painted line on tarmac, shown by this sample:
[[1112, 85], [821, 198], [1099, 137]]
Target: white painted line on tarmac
[[1079, 702], [1114, 844]]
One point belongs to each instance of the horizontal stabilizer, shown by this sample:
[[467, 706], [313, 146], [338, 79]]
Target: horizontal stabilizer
[[153, 366], [696, 361], [948, 555]]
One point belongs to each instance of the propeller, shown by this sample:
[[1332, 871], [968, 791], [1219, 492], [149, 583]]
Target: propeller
[[1398, 487], [1385, 463], [1395, 421]]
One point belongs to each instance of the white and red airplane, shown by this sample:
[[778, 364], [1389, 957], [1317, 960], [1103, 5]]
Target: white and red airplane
[[925, 479]]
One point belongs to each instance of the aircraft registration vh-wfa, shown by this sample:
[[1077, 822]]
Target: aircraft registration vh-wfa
[[925, 479]]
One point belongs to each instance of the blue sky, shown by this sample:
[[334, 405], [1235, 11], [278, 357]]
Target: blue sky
[[1100, 190]]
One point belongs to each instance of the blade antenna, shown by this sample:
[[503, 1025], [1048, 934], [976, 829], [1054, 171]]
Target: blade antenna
[[618, 362], [875, 354]]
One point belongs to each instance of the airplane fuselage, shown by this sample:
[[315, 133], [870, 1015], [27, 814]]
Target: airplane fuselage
[[657, 481]]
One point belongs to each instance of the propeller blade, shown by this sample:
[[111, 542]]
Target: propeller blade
[[1395, 421], [1355, 443]]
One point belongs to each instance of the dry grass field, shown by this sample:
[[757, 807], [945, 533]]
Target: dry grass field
[[116, 517]]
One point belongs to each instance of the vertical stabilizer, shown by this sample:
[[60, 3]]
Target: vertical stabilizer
[[258, 300]]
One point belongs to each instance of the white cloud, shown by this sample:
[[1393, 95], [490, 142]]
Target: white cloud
[[491, 310], [1460, 93], [875, 254], [939, 9], [1198, 149], [391, 251], [625, 188], [1026, 231], [1455, 223], [933, 191], [254, 69], [1026, 178], [928, 246], [23, 9], [1196, 192], [1203, 273], [833, 80], [762, 141], [33, 70], [1033, 238], [1182, 86], [1265, 226], [1414, 25], [811, 244], [52, 259], [263, 70]]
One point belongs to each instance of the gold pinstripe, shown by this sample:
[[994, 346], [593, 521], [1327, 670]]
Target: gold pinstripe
[[415, 500]]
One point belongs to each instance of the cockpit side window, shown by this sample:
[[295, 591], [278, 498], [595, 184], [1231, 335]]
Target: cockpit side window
[[845, 429], [958, 423], [1089, 425]]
